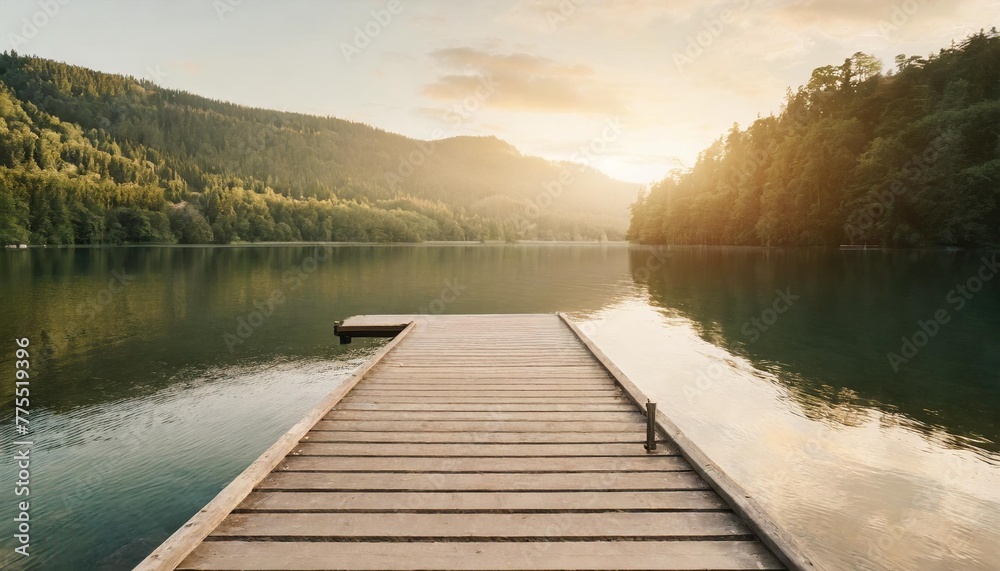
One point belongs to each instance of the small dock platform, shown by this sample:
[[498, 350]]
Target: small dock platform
[[480, 442]]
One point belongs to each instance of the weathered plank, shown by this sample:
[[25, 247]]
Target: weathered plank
[[563, 526], [499, 394], [492, 384], [481, 442], [482, 556], [291, 481], [492, 415], [482, 438], [692, 500], [490, 406], [459, 381], [488, 390], [447, 399], [473, 450], [784, 546], [486, 423], [172, 551], [460, 464]]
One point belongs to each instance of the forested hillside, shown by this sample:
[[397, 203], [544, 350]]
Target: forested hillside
[[908, 157], [88, 157]]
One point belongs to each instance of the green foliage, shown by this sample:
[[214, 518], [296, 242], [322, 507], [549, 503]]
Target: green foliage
[[906, 159], [88, 157], [189, 226]]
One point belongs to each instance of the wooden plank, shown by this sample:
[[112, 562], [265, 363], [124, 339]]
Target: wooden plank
[[466, 380], [465, 367], [490, 400], [378, 320], [784, 546], [485, 423], [451, 384], [481, 556], [458, 345], [171, 552], [483, 501], [557, 416], [306, 481], [495, 388], [483, 438], [509, 366], [614, 406], [460, 349], [458, 464], [487, 390], [445, 377], [479, 374], [473, 450], [574, 525], [466, 433], [486, 393], [650, 555], [485, 372]]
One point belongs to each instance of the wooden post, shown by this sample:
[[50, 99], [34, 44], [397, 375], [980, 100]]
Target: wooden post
[[650, 445], [344, 339]]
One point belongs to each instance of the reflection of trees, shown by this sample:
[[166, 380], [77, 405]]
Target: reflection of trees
[[174, 313], [854, 307]]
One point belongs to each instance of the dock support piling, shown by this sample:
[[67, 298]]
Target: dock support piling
[[650, 445]]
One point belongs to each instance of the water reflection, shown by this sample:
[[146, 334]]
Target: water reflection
[[870, 470], [103, 340], [144, 412], [110, 482], [852, 308]]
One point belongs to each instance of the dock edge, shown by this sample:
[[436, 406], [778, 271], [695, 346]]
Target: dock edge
[[178, 546], [770, 533]]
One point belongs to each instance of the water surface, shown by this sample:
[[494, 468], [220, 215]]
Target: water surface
[[161, 372]]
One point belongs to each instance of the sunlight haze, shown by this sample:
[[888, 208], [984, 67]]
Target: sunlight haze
[[675, 75]]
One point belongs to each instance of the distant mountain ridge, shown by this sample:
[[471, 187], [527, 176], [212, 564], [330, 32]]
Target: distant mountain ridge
[[89, 157]]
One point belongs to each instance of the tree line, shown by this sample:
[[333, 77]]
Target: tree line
[[88, 157], [908, 157]]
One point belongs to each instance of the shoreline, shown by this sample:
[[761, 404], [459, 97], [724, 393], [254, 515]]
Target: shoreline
[[435, 243]]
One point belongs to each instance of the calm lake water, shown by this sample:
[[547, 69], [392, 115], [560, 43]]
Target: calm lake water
[[154, 382]]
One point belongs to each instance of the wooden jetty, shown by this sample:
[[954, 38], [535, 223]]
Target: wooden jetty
[[480, 442]]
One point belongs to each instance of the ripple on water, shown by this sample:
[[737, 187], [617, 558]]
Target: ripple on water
[[120, 477]]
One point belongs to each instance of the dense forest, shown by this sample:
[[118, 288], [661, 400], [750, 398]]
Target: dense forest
[[88, 157], [904, 158]]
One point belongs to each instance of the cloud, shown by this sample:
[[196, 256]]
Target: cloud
[[523, 82], [864, 12], [188, 66], [594, 15]]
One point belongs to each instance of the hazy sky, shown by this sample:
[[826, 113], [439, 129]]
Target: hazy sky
[[545, 75]]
